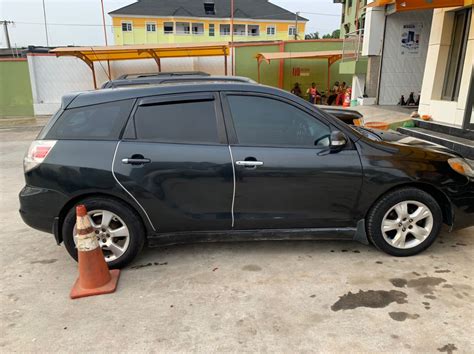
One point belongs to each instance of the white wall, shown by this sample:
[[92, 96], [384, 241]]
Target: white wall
[[402, 74], [52, 77], [373, 31], [451, 112]]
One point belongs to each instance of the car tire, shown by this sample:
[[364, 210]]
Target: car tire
[[404, 222], [104, 209]]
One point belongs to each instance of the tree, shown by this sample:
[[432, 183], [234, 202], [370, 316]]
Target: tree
[[334, 34], [314, 35]]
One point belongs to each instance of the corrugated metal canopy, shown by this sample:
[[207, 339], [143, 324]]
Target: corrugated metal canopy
[[144, 51], [331, 54]]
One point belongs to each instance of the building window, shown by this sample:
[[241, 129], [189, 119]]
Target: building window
[[198, 28], [224, 30], [183, 28], [457, 54], [271, 30], [126, 27], [168, 27], [151, 27], [291, 30], [253, 30], [239, 30], [211, 30], [209, 8]]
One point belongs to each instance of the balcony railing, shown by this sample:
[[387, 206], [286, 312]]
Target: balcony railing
[[352, 45], [139, 35]]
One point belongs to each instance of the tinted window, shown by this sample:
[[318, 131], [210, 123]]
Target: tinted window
[[265, 121], [188, 122], [101, 121]]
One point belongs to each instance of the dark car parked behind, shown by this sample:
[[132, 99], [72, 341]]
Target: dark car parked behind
[[164, 79], [229, 161]]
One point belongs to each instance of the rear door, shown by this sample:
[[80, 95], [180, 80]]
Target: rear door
[[175, 161], [286, 176]]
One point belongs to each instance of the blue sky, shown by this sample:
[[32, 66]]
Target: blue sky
[[74, 22]]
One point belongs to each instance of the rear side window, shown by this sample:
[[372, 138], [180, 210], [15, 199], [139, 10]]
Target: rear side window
[[101, 121], [180, 122]]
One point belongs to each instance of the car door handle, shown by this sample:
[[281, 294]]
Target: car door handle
[[133, 161], [249, 163]]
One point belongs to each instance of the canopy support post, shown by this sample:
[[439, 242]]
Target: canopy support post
[[157, 59], [258, 69], [93, 76], [281, 66], [89, 63], [225, 63], [329, 75]]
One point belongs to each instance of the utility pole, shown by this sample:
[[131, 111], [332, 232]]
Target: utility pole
[[45, 25], [5, 29], [296, 24], [105, 35], [232, 36]]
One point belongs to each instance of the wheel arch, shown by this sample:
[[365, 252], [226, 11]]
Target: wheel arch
[[441, 198], [76, 199]]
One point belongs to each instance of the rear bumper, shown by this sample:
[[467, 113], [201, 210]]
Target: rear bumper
[[40, 207]]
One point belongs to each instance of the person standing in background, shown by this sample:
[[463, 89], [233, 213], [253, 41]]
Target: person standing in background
[[296, 90], [313, 94], [340, 94], [333, 93]]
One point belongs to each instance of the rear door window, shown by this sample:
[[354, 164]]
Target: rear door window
[[191, 122], [102, 121]]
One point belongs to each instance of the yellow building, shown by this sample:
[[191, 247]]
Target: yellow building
[[186, 21]]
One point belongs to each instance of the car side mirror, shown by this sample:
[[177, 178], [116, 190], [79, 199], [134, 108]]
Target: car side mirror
[[338, 140]]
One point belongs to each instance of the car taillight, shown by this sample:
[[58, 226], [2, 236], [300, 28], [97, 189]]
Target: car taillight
[[37, 152]]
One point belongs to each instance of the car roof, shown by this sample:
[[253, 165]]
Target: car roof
[[88, 98], [162, 73]]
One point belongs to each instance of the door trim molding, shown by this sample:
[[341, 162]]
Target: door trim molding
[[125, 189], [233, 193]]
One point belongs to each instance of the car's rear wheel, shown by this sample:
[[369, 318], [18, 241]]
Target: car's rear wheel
[[118, 228], [404, 222]]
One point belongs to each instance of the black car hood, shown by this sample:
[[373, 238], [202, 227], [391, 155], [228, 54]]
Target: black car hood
[[393, 137]]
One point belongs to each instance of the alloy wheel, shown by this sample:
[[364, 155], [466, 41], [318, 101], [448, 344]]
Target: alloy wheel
[[407, 224], [111, 231]]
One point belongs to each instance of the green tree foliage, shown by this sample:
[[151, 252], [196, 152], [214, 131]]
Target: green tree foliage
[[315, 35]]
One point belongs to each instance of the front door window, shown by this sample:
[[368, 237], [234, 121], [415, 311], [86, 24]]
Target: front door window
[[262, 121]]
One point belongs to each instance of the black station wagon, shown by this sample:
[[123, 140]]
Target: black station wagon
[[200, 162]]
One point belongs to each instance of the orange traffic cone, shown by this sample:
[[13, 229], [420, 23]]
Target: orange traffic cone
[[94, 275]]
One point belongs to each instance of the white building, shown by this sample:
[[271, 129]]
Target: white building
[[425, 47]]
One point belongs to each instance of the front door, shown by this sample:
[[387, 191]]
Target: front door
[[175, 161], [285, 175]]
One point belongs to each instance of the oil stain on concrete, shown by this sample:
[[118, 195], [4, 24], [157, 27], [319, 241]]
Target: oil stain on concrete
[[402, 316], [423, 285], [448, 348], [369, 298], [44, 261], [252, 268]]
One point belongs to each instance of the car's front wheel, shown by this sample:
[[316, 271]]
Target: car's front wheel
[[119, 230], [404, 222]]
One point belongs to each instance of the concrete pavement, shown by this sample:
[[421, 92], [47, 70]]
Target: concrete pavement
[[262, 296]]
